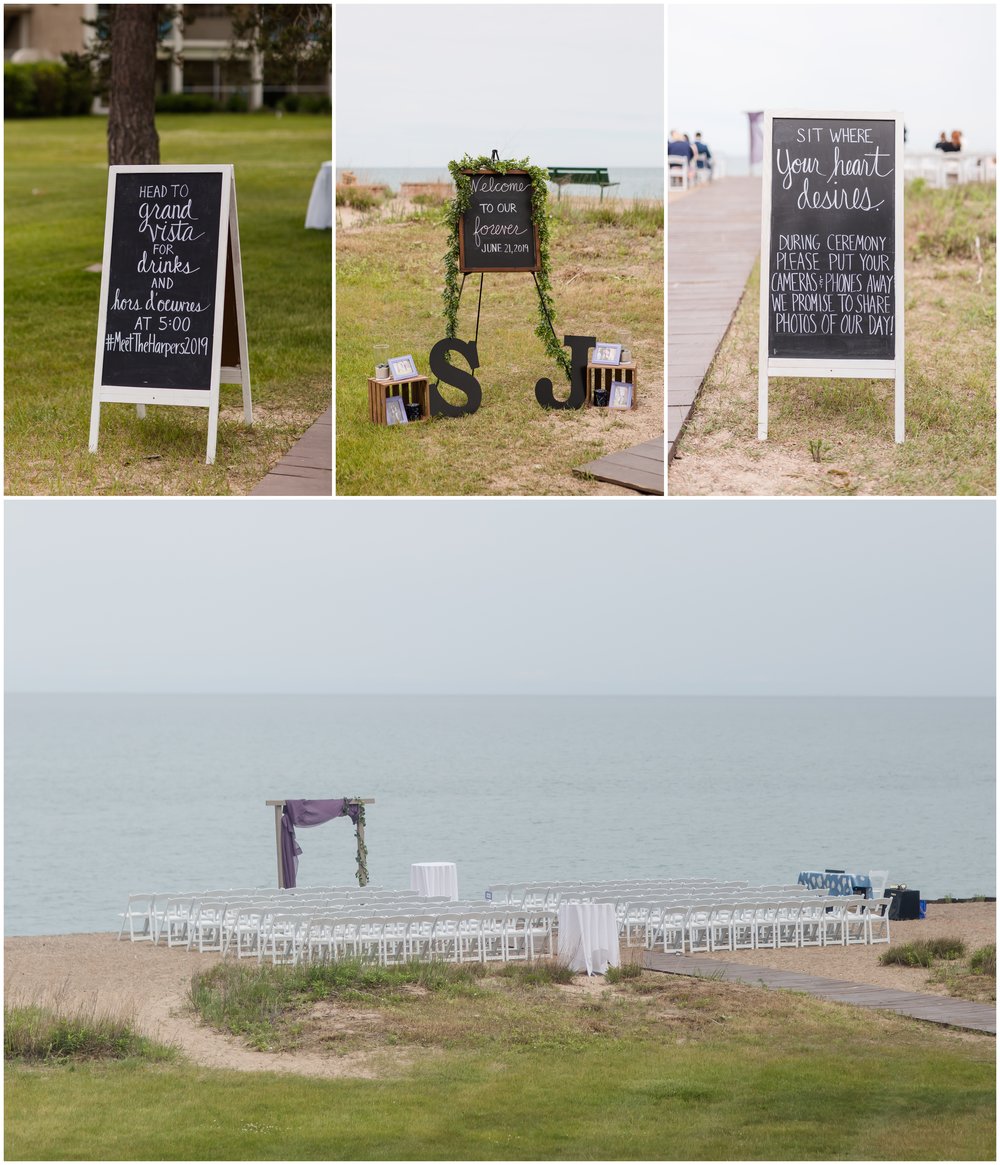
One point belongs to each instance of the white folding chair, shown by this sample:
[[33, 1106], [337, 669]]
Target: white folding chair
[[140, 907]]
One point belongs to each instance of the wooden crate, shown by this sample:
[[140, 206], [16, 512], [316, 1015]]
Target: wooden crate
[[413, 390], [599, 375]]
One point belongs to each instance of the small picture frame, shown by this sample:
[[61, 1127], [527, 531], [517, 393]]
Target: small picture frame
[[401, 367], [621, 395], [395, 413], [607, 354]]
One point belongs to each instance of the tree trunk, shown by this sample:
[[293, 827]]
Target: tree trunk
[[132, 137]]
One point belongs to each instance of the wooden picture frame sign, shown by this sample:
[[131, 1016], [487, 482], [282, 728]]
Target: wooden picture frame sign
[[831, 282], [498, 231], [172, 321]]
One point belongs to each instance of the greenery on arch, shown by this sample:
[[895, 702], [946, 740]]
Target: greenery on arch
[[539, 211]]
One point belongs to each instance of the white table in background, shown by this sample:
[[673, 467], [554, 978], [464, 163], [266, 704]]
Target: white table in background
[[588, 936], [435, 879], [319, 216]]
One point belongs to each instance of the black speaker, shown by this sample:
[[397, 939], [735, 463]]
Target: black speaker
[[905, 904]]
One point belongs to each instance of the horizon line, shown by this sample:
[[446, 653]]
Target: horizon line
[[519, 694]]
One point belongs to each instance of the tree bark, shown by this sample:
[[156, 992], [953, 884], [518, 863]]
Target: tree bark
[[132, 136]]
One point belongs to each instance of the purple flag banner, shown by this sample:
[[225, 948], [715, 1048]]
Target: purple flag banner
[[307, 814], [756, 138]]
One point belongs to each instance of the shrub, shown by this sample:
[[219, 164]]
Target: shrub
[[984, 961], [237, 103], [79, 86], [185, 103], [48, 88], [18, 91]]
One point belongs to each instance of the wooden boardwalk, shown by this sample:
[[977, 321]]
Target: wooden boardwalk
[[933, 1008], [713, 238], [639, 468], [306, 470]]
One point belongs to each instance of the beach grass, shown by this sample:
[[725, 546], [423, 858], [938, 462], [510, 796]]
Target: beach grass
[[35, 1034], [662, 1068], [56, 191], [607, 278], [835, 437]]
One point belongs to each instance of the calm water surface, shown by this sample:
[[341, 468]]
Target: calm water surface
[[110, 794], [633, 182]]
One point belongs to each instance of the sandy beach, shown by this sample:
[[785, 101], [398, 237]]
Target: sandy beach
[[96, 972]]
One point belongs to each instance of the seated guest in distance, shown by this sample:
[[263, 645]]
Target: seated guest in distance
[[942, 143], [956, 141], [704, 155], [679, 147]]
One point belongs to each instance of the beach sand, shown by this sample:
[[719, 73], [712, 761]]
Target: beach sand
[[97, 973]]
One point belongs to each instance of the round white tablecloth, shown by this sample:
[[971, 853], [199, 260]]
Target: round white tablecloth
[[435, 879], [588, 936], [319, 216]]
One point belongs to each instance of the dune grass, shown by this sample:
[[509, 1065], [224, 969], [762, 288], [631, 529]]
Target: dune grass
[[56, 189], [34, 1034], [607, 277], [835, 437], [655, 1068]]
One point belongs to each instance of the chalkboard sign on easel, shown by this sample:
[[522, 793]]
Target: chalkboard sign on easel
[[172, 323], [831, 287], [497, 232]]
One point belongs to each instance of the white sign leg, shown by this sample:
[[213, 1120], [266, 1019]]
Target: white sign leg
[[762, 403], [900, 402]]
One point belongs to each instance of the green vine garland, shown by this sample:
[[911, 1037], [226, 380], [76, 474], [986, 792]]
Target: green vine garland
[[539, 212], [362, 874]]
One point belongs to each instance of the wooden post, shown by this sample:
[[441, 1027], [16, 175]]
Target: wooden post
[[278, 807]]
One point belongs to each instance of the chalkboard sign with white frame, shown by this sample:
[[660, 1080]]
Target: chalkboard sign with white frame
[[831, 287], [172, 323]]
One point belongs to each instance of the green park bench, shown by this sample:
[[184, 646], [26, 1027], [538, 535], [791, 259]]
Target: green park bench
[[581, 176]]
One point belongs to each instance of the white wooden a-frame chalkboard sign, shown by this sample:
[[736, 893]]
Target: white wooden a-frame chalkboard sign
[[831, 266], [172, 323]]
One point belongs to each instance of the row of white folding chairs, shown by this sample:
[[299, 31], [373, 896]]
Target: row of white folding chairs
[[768, 923], [150, 917], [634, 913], [547, 893], [213, 924], [262, 929], [455, 936]]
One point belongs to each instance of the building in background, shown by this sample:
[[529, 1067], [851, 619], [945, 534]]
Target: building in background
[[195, 54]]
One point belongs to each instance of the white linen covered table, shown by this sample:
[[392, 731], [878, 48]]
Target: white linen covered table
[[435, 879], [588, 936], [319, 216]]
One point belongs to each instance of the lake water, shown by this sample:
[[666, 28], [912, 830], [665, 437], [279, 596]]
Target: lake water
[[110, 794], [635, 182]]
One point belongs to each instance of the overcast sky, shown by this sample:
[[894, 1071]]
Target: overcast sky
[[936, 63], [566, 85], [732, 597]]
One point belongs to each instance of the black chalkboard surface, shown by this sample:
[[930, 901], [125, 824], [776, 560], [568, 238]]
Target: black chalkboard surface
[[497, 232], [831, 261], [162, 280]]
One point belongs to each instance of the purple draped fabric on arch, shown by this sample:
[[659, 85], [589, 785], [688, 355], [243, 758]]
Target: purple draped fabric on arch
[[307, 814]]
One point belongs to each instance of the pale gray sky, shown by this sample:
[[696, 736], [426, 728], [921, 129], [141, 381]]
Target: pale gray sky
[[936, 63], [563, 84], [522, 596]]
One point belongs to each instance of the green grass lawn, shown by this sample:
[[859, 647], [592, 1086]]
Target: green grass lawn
[[56, 192], [660, 1067], [607, 281]]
